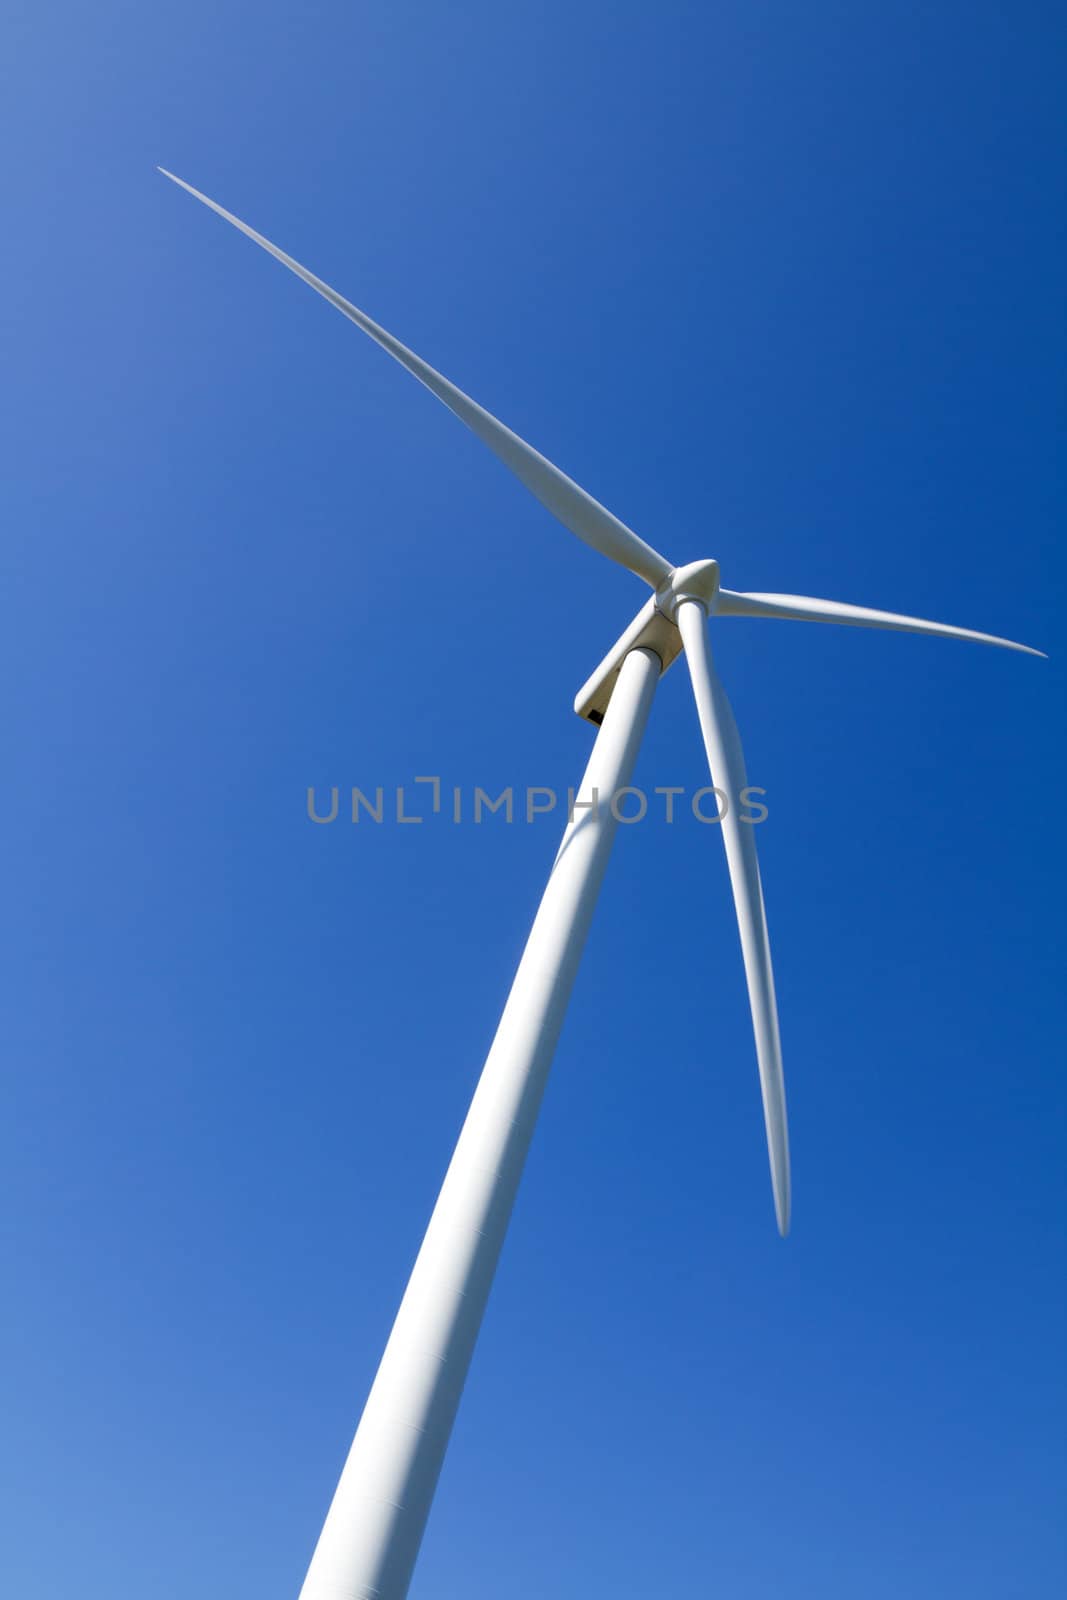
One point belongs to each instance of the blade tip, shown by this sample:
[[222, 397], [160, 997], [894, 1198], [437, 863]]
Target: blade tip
[[174, 178], [1024, 649]]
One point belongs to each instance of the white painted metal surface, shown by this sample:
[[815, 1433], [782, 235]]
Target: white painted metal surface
[[567, 500], [371, 1537], [722, 745], [803, 608]]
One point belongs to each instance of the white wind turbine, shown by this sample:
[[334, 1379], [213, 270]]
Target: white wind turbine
[[371, 1536]]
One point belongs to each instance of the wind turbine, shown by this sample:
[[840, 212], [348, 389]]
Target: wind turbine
[[370, 1539]]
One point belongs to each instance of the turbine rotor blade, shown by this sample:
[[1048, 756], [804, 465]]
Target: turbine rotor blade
[[565, 499], [803, 608], [726, 760]]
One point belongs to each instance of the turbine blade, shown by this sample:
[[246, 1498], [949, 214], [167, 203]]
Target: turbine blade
[[727, 763], [576, 509], [802, 608]]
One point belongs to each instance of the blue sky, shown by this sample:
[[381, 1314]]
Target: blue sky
[[781, 285]]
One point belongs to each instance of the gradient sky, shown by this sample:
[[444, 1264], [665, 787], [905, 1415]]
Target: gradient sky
[[780, 284]]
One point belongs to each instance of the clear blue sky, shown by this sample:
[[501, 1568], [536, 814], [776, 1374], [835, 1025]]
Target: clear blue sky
[[780, 284]]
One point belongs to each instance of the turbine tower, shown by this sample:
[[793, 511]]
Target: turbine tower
[[370, 1539]]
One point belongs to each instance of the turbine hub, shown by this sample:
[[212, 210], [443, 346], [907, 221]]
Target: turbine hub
[[655, 628], [698, 581]]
